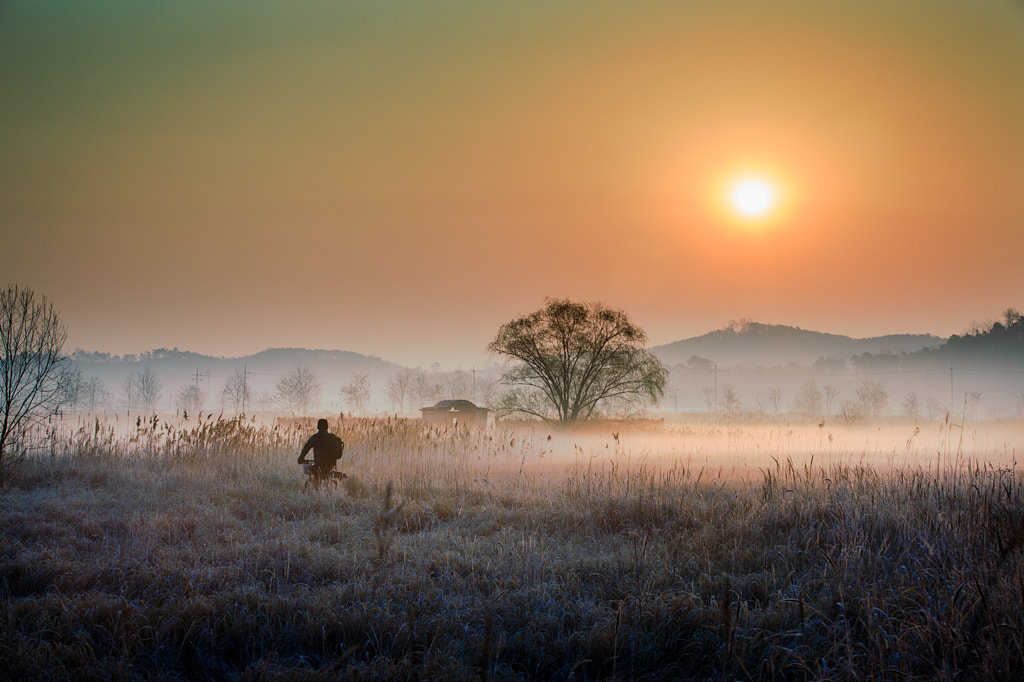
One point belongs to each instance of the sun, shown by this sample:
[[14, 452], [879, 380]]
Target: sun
[[752, 197]]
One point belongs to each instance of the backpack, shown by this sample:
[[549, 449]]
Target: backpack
[[336, 448]]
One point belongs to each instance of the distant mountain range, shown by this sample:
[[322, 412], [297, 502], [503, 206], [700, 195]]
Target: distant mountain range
[[751, 344], [270, 361], [738, 345], [766, 345]]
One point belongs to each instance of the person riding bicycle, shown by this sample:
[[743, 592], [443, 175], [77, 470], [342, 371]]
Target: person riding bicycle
[[327, 450]]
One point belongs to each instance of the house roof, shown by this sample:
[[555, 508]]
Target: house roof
[[453, 405]]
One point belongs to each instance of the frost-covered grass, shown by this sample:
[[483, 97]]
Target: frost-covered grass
[[689, 550]]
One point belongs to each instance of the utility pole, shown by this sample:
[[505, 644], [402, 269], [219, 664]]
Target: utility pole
[[715, 364], [951, 389], [245, 385], [197, 379]]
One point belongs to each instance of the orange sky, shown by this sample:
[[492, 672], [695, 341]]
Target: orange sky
[[398, 179]]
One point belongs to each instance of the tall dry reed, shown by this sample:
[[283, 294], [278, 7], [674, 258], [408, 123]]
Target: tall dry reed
[[188, 550]]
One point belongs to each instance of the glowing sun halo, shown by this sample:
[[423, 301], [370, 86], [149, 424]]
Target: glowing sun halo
[[752, 197]]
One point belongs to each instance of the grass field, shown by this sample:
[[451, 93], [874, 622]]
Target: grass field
[[689, 550]]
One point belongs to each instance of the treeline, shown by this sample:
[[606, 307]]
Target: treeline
[[989, 343], [1005, 337], [301, 391]]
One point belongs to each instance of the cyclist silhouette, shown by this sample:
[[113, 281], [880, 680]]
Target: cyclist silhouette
[[327, 450]]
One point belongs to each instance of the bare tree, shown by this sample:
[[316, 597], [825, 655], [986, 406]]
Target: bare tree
[[32, 367], [424, 389], [831, 395], [71, 387], [300, 391], [357, 392], [189, 398], [730, 399], [398, 388], [912, 406], [148, 388], [236, 393], [94, 394], [458, 385], [768, 400], [265, 400], [673, 397], [488, 391], [761, 401], [933, 406], [809, 399], [710, 396], [850, 412], [129, 391], [872, 397]]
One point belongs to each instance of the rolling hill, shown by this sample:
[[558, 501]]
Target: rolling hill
[[754, 344]]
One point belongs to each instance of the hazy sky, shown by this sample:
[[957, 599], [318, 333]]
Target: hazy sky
[[400, 178]]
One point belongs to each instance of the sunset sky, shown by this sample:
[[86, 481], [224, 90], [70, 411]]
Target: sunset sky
[[400, 178]]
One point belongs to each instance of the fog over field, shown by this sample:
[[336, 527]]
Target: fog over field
[[703, 549], [759, 371]]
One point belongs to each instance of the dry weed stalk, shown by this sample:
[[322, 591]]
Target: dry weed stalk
[[385, 523]]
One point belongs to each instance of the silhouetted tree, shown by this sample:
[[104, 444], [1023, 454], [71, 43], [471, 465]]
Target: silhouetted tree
[[809, 399], [831, 394], [710, 396], [933, 407], [71, 387], [730, 399], [299, 391], [831, 365], [912, 406], [872, 397], [357, 392], [573, 358], [32, 368], [458, 384], [148, 388], [487, 391], [189, 398], [1004, 340], [128, 391], [673, 396], [768, 400], [398, 388], [95, 394], [236, 393], [698, 364]]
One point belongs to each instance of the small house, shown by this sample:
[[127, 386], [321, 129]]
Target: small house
[[449, 413]]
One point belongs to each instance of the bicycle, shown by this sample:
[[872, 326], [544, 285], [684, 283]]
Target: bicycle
[[315, 478]]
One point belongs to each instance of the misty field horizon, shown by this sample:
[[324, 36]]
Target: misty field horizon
[[696, 548], [743, 368], [587, 529]]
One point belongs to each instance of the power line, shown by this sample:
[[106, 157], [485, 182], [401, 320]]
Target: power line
[[855, 373]]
